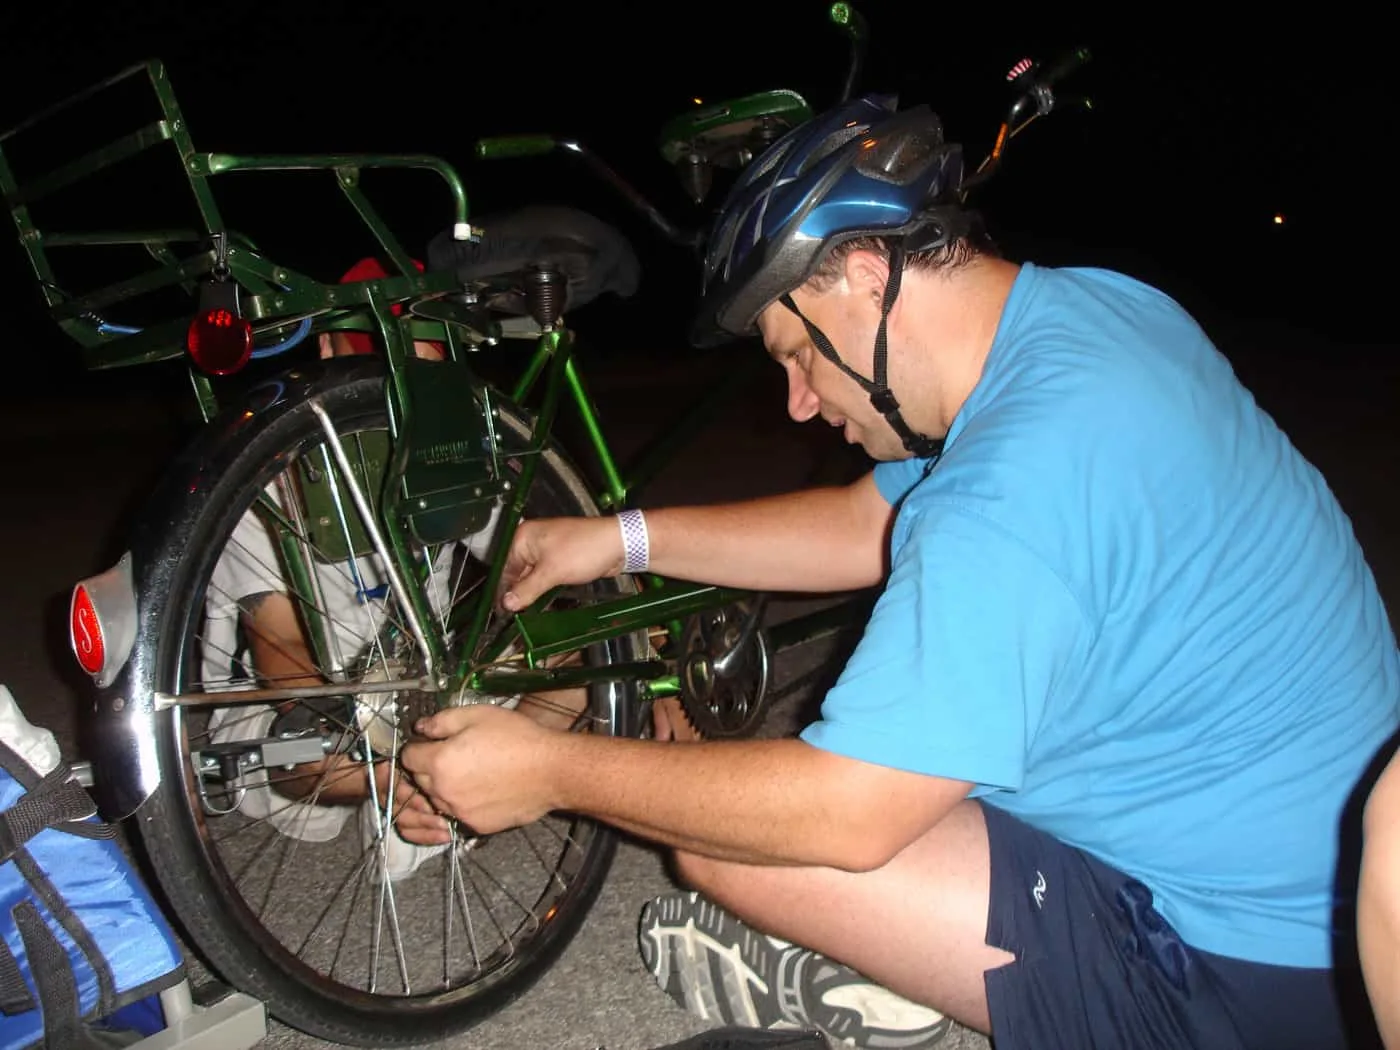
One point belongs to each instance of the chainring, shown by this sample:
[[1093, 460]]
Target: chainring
[[724, 676]]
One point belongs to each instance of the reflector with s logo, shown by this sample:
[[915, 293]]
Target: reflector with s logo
[[102, 621]]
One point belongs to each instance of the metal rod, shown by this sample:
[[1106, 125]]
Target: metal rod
[[376, 537], [165, 701]]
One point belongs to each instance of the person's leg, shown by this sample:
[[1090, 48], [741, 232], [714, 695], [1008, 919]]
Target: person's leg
[[917, 926], [992, 921]]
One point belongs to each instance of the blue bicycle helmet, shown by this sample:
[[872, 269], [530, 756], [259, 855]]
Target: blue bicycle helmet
[[862, 169]]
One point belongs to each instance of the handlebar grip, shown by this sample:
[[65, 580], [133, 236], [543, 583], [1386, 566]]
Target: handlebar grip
[[850, 21], [1064, 66], [509, 147]]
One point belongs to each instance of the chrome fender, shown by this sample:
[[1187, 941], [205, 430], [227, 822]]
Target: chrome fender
[[125, 607], [105, 620]]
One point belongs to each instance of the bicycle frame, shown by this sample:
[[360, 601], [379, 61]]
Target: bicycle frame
[[277, 299]]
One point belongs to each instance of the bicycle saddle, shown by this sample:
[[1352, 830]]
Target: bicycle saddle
[[593, 256]]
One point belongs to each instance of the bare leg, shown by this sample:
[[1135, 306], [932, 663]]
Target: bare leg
[[917, 926]]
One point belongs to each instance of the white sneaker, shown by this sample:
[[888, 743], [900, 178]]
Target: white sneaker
[[400, 858]]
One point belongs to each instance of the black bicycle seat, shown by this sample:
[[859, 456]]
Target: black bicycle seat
[[594, 257]]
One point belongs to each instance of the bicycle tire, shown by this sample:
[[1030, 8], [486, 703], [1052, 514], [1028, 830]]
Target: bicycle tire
[[207, 904]]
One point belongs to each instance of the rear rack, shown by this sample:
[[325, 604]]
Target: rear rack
[[277, 299]]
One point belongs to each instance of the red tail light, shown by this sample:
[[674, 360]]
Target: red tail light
[[85, 632], [102, 621], [220, 341]]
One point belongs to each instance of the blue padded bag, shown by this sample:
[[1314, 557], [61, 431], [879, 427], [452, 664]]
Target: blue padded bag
[[80, 937]]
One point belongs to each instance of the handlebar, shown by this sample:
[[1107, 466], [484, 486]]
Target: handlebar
[[1037, 92], [512, 147]]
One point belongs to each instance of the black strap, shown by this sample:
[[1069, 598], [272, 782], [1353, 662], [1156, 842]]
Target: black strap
[[57, 801], [881, 396], [53, 977], [886, 305], [15, 997]]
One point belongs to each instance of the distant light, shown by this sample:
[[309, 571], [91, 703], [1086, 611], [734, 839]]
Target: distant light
[[698, 101], [1278, 219], [1019, 68]]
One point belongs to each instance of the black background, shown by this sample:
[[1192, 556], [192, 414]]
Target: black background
[[1202, 131]]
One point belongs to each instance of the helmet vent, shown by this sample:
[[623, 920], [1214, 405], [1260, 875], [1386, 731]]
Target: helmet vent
[[834, 142], [900, 158]]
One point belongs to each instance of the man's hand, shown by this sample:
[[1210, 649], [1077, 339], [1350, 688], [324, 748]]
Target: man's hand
[[414, 816], [486, 766], [555, 551]]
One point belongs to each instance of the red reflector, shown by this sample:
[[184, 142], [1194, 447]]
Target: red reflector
[[86, 633], [220, 341]]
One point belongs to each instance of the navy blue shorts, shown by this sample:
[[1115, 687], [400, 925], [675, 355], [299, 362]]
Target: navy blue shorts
[[1097, 967]]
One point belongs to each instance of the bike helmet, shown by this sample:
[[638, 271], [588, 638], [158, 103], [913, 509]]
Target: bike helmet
[[863, 169]]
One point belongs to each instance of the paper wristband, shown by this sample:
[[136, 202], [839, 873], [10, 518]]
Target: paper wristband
[[636, 547]]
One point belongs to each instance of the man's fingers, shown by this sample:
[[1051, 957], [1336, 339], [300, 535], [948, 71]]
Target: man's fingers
[[524, 591], [445, 723], [408, 796]]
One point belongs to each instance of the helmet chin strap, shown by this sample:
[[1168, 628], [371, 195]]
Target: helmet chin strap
[[880, 394]]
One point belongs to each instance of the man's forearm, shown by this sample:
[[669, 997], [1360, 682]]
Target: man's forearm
[[765, 802], [818, 540]]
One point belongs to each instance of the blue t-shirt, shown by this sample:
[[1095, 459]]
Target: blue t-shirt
[[1127, 609]]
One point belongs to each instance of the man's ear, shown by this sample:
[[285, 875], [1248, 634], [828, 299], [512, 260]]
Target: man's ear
[[866, 273]]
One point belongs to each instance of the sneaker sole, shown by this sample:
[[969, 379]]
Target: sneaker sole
[[722, 971]]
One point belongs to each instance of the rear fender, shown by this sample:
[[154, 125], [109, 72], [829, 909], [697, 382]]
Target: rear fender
[[127, 606]]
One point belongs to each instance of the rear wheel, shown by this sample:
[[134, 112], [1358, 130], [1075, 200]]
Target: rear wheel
[[320, 909]]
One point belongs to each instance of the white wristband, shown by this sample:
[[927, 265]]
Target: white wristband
[[636, 545]]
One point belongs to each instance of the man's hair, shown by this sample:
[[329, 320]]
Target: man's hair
[[974, 244]]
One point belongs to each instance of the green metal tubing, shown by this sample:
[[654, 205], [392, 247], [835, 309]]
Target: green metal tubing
[[666, 685], [219, 163], [146, 283], [550, 632], [538, 359], [104, 156], [348, 179], [615, 492], [558, 345]]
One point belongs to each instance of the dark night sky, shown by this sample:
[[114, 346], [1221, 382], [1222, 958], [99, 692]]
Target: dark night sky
[[1199, 135]]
